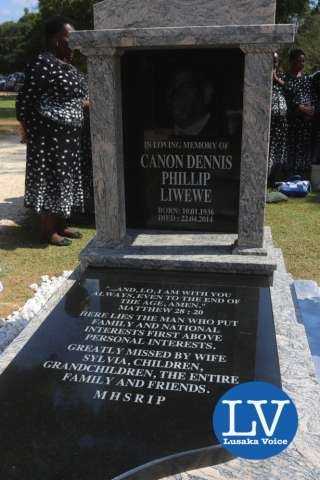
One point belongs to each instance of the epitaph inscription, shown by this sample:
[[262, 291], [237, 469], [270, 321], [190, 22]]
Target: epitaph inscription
[[182, 138], [157, 340], [128, 362]]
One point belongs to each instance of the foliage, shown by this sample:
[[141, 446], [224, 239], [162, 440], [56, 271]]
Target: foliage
[[291, 10], [22, 40], [308, 39], [19, 42], [79, 12]]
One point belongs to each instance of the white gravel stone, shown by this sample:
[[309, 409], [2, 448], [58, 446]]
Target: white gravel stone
[[11, 326]]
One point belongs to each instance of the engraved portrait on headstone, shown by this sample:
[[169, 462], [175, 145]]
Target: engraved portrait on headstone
[[182, 132]]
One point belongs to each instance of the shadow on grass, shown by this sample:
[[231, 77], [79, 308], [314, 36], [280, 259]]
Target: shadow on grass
[[8, 113], [25, 234], [12, 209], [14, 237], [314, 198]]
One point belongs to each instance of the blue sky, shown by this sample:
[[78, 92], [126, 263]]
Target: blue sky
[[13, 9]]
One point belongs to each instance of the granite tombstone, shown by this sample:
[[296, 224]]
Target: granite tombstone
[[121, 379], [181, 97]]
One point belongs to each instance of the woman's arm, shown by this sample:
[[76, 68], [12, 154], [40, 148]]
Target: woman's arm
[[23, 133], [277, 78], [36, 82]]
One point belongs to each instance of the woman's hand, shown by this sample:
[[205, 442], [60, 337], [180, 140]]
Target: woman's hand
[[86, 103], [277, 79], [23, 133]]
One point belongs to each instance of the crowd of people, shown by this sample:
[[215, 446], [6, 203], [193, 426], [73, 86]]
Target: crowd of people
[[295, 114]]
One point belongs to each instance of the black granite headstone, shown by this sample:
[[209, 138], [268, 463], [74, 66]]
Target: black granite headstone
[[182, 138], [121, 379]]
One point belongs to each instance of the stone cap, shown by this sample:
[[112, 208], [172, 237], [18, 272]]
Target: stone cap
[[178, 13], [95, 41]]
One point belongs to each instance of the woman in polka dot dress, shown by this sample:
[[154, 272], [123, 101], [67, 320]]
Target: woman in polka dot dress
[[301, 108], [50, 110], [279, 126]]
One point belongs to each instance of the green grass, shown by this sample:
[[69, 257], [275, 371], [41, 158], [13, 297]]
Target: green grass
[[8, 102], [24, 259], [7, 108], [8, 121], [296, 230], [295, 227]]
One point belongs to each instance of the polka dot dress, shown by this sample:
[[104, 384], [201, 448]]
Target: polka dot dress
[[278, 154], [51, 106], [299, 90]]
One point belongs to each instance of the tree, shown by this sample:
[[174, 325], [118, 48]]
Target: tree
[[19, 41], [308, 40], [79, 12], [292, 10]]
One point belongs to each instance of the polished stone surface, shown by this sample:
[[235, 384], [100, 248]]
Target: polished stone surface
[[308, 298], [161, 13], [182, 139], [125, 367], [301, 460]]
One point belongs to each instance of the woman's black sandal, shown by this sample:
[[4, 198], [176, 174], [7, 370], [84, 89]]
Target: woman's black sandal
[[75, 234], [63, 242]]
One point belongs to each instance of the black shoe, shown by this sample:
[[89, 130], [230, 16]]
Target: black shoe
[[71, 234], [64, 242]]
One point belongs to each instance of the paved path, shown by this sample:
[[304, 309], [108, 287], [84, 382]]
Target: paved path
[[12, 175]]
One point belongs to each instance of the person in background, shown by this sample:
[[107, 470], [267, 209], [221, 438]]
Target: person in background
[[316, 129], [278, 153], [301, 108], [50, 111]]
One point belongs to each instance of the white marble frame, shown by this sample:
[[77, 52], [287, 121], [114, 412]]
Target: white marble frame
[[104, 48]]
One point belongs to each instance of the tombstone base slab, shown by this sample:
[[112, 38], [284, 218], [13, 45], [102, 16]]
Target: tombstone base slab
[[249, 251], [301, 459], [178, 251]]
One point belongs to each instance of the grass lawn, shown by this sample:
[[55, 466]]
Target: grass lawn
[[295, 226], [8, 122], [7, 107], [296, 229], [24, 260]]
